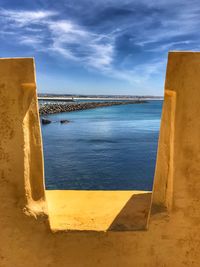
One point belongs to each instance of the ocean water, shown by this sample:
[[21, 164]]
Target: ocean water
[[109, 148]]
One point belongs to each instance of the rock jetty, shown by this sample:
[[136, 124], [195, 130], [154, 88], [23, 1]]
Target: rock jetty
[[46, 109]]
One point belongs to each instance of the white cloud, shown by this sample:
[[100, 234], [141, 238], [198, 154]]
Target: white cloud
[[43, 30], [139, 75], [175, 22], [31, 41], [70, 30], [179, 45], [75, 42], [64, 37], [102, 55], [22, 18]]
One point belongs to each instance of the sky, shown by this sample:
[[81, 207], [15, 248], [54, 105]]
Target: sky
[[99, 46]]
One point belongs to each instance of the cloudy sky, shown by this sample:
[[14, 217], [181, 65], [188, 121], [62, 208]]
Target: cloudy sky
[[99, 47]]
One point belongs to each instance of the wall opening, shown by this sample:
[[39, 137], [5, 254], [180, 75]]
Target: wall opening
[[108, 148], [99, 166]]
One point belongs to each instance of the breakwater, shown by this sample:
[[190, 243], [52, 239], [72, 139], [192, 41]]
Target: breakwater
[[53, 108]]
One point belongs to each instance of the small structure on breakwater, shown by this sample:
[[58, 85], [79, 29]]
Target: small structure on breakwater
[[61, 99]]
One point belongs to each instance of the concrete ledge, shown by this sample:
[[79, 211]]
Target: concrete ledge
[[98, 210]]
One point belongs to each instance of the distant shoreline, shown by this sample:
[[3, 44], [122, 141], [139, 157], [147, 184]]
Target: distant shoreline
[[68, 98], [47, 109]]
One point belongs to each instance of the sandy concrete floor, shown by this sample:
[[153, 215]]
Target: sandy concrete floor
[[98, 210]]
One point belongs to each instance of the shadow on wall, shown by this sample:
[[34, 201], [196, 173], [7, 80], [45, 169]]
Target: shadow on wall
[[134, 215]]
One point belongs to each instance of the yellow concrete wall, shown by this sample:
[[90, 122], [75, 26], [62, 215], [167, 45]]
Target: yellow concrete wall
[[173, 236], [21, 150]]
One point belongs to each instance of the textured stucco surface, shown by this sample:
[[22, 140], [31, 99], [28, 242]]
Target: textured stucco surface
[[98, 210], [173, 235]]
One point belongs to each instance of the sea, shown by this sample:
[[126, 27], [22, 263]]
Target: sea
[[108, 148]]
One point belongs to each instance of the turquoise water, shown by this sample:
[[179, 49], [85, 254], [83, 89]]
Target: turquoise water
[[109, 148]]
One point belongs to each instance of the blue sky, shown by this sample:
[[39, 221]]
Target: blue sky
[[99, 47]]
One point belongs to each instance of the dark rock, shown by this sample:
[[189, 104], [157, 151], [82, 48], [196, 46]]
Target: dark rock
[[64, 121], [45, 121]]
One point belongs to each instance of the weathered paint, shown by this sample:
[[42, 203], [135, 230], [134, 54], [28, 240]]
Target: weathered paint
[[173, 235]]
